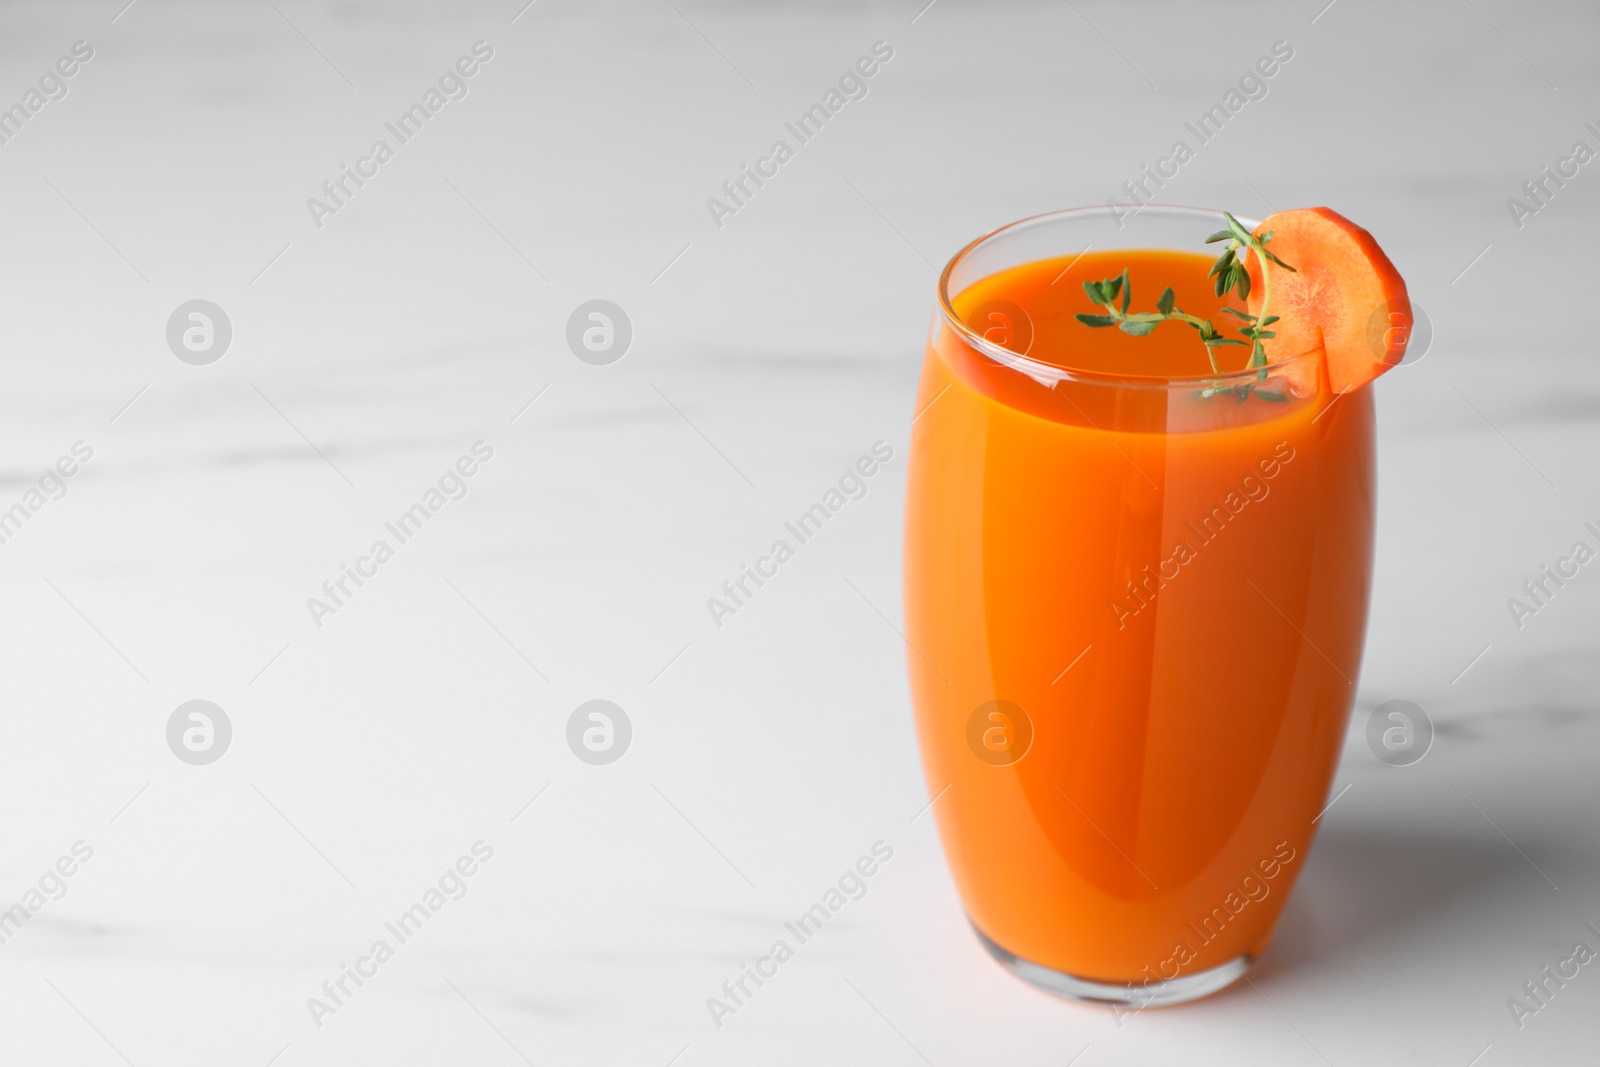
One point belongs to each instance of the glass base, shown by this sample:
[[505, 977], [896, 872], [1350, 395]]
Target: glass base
[[1132, 995]]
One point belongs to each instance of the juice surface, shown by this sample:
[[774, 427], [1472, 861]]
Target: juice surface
[[1050, 292], [1135, 617]]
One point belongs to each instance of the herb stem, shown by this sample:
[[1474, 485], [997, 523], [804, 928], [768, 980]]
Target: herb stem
[[1112, 295], [1155, 318], [1258, 354]]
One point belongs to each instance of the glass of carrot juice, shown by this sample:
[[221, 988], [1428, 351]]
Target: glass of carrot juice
[[1135, 599]]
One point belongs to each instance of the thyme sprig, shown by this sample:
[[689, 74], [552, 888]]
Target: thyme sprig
[[1230, 274]]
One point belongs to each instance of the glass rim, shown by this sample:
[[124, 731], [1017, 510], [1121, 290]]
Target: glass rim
[[1055, 373]]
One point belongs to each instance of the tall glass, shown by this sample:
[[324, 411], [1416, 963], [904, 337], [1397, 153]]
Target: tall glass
[[1135, 611]]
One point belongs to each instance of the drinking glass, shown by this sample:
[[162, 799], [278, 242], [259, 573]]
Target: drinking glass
[[1135, 609]]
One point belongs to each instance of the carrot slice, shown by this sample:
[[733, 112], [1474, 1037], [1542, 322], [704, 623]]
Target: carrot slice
[[1344, 296]]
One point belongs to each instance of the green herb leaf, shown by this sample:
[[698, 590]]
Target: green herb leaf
[[1229, 275], [1240, 234]]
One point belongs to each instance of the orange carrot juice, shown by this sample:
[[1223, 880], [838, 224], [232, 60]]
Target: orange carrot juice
[[1135, 615]]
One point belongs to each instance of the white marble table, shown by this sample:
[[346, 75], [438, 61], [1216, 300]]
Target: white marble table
[[428, 712]]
